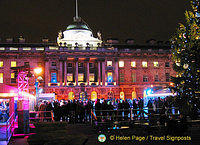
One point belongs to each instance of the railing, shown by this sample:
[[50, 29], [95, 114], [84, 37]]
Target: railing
[[10, 126], [41, 116], [127, 115]]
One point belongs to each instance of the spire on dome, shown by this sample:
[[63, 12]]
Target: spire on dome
[[77, 18]]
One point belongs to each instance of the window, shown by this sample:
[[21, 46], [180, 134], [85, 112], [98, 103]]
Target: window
[[13, 78], [144, 64], [109, 63], [13, 63], [133, 77], [91, 78], [155, 64], [26, 63], [1, 63], [1, 77], [167, 75], [121, 63], [80, 77], [70, 77], [91, 65], [80, 65], [121, 77], [167, 64], [156, 78], [12, 75], [109, 77], [39, 64], [145, 79], [69, 65], [53, 63], [53, 78], [133, 64]]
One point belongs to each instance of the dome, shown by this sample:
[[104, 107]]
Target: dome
[[78, 26]]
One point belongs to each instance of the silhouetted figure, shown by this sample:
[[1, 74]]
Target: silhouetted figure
[[135, 106], [182, 125], [126, 107], [120, 110], [97, 110], [141, 105], [172, 126]]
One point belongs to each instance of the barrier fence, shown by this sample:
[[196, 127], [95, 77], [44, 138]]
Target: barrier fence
[[41, 116], [127, 115], [7, 129]]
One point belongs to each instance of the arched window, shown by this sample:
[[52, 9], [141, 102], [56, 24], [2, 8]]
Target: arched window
[[122, 95], [93, 95], [71, 95], [134, 95]]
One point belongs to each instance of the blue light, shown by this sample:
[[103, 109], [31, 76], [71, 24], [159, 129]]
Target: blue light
[[110, 79], [149, 91]]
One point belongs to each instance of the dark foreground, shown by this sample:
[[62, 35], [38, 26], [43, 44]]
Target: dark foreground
[[82, 134]]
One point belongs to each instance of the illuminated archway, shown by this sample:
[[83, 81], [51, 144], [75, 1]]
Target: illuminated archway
[[134, 96], [93, 95], [83, 96], [71, 95], [122, 95]]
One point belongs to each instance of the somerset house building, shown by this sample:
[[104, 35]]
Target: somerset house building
[[80, 66]]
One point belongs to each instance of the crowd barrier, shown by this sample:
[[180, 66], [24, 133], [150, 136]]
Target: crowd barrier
[[41, 116], [127, 115]]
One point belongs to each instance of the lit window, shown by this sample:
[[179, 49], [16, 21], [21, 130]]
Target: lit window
[[1, 63], [91, 78], [133, 64], [80, 65], [80, 77], [133, 77], [121, 63], [53, 78], [155, 64], [13, 63], [13, 78], [70, 77], [156, 78], [12, 75], [109, 63], [1, 77], [109, 77], [39, 64], [144, 64], [145, 79], [26, 63]]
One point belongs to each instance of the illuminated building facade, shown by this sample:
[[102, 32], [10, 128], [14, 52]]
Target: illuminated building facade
[[81, 66]]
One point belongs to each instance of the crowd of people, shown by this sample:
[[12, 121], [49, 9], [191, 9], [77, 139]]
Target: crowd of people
[[107, 109], [157, 112]]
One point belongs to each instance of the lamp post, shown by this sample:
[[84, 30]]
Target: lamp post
[[37, 71]]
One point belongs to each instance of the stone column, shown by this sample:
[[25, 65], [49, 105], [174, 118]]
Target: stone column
[[47, 73], [61, 73], [76, 74], [65, 72], [99, 72], [103, 73], [88, 73], [116, 71]]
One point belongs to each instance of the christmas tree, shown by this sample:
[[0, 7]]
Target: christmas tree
[[186, 56]]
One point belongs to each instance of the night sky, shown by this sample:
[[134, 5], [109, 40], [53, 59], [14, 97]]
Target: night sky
[[122, 19]]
